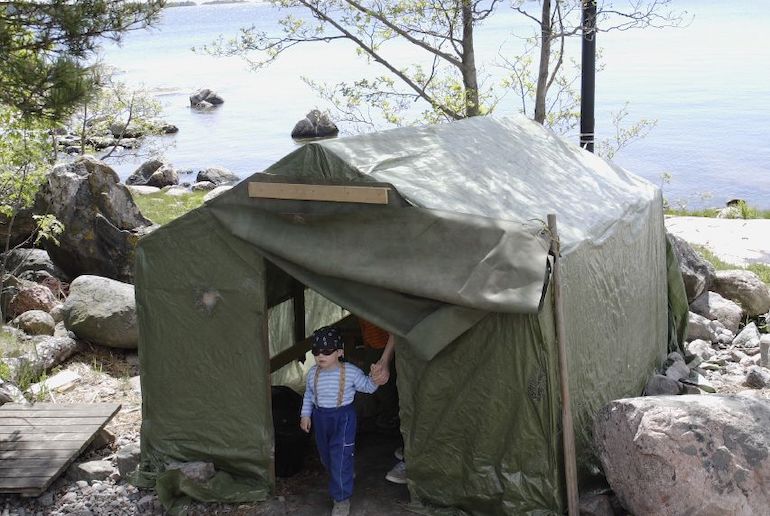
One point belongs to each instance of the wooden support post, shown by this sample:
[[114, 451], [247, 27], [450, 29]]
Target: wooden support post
[[568, 432]]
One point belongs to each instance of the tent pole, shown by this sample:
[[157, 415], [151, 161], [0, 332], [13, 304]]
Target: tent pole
[[568, 432]]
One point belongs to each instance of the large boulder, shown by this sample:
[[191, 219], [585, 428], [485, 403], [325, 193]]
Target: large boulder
[[697, 273], [102, 311], [19, 228], [217, 175], [315, 125], [745, 288], [154, 172], [19, 261], [103, 224], [205, 98], [716, 308], [687, 454]]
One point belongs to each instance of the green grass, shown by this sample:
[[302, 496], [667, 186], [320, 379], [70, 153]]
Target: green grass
[[760, 269], [745, 211], [161, 208]]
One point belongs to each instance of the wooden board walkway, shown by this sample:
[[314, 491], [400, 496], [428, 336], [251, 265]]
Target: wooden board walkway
[[38, 442]]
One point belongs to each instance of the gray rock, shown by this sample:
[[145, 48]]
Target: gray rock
[[749, 337], [595, 505], [669, 455], [677, 371], [57, 313], [764, 351], [697, 273], [205, 96], [714, 307], [148, 504], [745, 288], [315, 125], [217, 175], [659, 385], [102, 439], [45, 499], [698, 327], [702, 349], [128, 458], [142, 189], [197, 471], [202, 186], [35, 322], [22, 228], [154, 172], [93, 470], [758, 378], [102, 311], [31, 260], [101, 219], [48, 352]]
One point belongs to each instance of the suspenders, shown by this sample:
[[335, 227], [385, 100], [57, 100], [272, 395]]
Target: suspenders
[[340, 393]]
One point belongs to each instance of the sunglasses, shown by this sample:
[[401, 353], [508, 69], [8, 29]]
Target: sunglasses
[[325, 351]]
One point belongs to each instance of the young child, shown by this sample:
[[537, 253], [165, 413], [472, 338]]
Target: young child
[[328, 408]]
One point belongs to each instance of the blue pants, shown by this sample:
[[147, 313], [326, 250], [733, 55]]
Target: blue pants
[[335, 436]]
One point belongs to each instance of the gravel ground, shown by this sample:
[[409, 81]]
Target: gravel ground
[[111, 377]]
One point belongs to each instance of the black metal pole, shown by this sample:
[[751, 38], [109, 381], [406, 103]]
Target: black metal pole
[[588, 76]]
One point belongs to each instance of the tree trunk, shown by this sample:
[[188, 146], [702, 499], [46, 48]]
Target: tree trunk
[[470, 81], [545, 58]]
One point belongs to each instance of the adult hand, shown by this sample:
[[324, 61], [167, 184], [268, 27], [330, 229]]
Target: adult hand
[[380, 373], [304, 423]]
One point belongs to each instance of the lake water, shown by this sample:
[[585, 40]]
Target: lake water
[[707, 85]]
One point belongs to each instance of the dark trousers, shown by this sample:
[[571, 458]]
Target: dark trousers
[[335, 436]]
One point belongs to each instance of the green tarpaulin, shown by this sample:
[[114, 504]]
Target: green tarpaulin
[[455, 265]]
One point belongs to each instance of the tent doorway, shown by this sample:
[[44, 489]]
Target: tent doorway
[[291, 321]]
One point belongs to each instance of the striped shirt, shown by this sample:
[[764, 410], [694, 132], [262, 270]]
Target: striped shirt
[[329, 387]]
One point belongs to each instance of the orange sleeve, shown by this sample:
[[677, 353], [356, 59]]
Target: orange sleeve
[[374, 336]]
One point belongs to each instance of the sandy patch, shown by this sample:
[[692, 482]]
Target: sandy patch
[[735, 241]]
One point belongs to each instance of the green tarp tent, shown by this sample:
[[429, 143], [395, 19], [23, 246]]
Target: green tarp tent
[[455, 264]]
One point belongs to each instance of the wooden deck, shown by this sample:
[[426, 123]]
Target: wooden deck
[[38, 442]]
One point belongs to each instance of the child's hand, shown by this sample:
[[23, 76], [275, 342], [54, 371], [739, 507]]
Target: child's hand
[[379, 373], [304, 423]]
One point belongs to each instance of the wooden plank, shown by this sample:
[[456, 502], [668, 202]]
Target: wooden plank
[[32, 455], [20, 485], [50, 421], [47, 429], [38, 442], [28, 437], [53, 413], [101, 408], [38, 462], [330, 193], [41, 445], [45, 470]]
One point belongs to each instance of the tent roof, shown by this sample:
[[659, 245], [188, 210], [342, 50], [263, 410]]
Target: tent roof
[[507, 169]]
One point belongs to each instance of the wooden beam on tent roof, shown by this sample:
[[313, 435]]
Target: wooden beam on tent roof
[[329, 193]]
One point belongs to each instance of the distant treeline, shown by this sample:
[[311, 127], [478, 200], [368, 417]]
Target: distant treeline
[[209, 2]]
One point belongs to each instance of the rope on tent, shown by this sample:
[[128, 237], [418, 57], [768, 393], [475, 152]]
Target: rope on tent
[[568, 434]]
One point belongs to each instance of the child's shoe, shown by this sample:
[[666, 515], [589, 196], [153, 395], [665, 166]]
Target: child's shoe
[[399, 453], [341, 508], [397, 475]]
